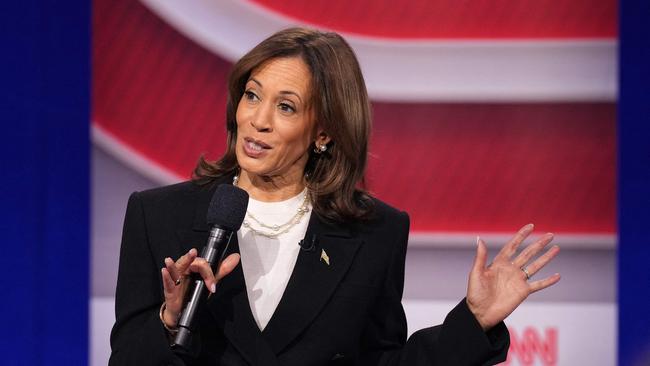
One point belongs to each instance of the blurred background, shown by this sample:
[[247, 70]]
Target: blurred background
[[487, 115]]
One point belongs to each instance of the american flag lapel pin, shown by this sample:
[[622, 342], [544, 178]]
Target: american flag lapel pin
[[324, 257]]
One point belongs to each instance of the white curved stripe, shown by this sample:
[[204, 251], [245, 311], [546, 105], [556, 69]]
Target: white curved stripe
[[421, 71], [424, 239], [131, 158]]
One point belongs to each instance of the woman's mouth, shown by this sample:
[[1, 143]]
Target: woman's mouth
[[254, 148]]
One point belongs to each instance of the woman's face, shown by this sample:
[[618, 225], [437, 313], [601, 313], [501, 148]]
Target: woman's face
[[275, 121]]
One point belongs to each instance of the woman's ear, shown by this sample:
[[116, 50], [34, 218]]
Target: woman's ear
[[322, 138]]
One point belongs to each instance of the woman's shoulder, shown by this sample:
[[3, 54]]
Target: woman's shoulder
[[183, 194], [176, 206], [183, 189], [171, 191], [161, 201], [383, 218], [385, 232], [384, 211]]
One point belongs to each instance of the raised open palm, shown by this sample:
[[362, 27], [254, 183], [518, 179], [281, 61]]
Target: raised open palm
[[495, 290]]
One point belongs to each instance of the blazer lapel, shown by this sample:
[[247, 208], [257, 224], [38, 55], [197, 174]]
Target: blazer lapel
[[315, 277]]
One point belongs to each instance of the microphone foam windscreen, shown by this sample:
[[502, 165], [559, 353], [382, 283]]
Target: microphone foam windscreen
[[228, 207]]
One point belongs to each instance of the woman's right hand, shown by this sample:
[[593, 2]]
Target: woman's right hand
[[175, 278]]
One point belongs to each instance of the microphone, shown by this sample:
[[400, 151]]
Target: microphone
[[225, 215]]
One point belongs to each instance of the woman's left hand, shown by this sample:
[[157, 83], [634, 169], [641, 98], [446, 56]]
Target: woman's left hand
[[494, 291]]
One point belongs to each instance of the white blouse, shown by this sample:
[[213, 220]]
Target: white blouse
[[267, 263]]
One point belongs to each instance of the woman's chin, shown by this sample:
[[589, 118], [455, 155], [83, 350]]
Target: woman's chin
[[253, 171]]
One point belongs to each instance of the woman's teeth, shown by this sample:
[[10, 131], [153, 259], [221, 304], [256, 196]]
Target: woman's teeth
[[253, 146]]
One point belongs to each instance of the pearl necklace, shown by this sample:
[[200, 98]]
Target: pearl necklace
[[273, 231]]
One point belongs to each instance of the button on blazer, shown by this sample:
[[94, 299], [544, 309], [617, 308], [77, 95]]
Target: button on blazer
[[345, 312]]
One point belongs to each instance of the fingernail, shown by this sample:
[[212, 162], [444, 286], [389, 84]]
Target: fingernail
[[213, 288], [477, 239]]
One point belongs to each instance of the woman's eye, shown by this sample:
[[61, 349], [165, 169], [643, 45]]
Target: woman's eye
[[284, 107], [249, 95]]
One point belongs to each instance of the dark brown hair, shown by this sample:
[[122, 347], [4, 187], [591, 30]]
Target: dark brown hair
[[342, 110]]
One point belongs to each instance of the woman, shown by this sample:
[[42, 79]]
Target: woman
[[298, 124]]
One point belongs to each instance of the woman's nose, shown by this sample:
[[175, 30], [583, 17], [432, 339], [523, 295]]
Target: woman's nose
[[262, 119]]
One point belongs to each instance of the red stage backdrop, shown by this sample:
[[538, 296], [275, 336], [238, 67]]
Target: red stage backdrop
[[460, 166]]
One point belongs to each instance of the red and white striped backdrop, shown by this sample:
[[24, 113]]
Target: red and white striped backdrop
[[484, 19], [517, 125]]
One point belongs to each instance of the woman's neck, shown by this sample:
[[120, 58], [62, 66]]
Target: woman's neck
[[270, 189]]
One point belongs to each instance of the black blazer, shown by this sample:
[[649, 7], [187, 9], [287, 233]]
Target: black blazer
[[346, 313]]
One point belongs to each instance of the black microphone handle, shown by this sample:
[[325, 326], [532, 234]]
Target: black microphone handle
[[197, 294]]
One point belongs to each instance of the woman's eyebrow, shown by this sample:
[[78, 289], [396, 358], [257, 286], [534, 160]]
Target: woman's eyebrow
[[283, 92]]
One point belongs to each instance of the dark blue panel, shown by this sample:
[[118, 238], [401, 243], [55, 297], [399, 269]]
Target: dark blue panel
[[634, 184], [44, 110]]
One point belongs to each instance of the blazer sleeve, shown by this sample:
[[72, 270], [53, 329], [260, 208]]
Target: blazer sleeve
[[458, 341], [138, 336]]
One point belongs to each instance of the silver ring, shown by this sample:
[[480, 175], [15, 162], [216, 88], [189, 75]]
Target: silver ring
[[178, 281], [526, 273]]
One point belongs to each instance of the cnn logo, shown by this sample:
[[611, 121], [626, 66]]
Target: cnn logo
[[532, 345]]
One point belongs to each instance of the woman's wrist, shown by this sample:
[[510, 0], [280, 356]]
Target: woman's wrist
[[169, 320], [478, 316]]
